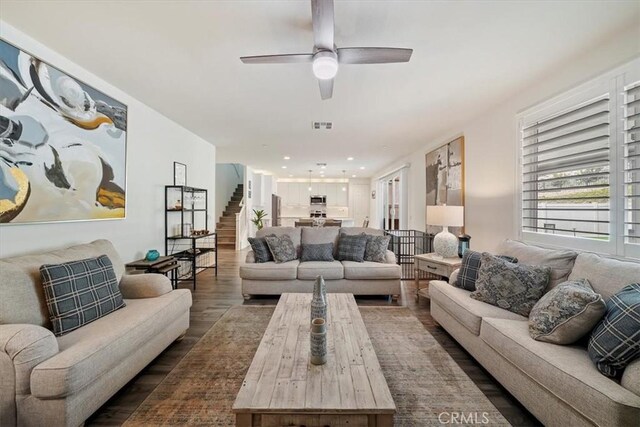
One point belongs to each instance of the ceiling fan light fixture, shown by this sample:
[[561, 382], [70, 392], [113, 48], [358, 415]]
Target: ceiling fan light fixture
[[325, 65]]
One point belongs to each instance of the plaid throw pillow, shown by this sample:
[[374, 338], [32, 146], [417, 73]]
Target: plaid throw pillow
[[260, 249], [615, 342], [471, 261], [351, 248], [317, 252], [79, 292], [282, 248]]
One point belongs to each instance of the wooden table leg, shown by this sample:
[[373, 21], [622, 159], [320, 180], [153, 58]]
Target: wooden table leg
[[244, 420]]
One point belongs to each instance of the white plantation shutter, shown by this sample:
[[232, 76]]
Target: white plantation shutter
[[631, 163], [566, 171]]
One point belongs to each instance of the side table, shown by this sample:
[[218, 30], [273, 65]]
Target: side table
[[433, 264], [166, 265]]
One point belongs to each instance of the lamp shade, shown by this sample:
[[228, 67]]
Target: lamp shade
[[446, 216]]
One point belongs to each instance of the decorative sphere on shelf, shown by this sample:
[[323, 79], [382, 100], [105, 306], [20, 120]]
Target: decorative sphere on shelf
[[152, 255]]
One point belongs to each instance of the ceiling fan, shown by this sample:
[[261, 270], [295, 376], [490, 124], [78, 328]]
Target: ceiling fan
[[326, 56]]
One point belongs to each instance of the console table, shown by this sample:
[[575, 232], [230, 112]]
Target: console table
[[166, 265]]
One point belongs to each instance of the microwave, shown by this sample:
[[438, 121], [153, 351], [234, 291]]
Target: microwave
[[318, 200]]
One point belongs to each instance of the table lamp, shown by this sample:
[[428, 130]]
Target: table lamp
[[445, 244]]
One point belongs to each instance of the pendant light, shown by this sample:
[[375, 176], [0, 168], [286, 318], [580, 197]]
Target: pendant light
[[344, 177], [309, 188]]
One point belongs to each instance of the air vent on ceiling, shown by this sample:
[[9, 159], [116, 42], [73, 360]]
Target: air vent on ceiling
[[322, 125]]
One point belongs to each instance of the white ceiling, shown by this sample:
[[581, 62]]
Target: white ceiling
[[181, 58]]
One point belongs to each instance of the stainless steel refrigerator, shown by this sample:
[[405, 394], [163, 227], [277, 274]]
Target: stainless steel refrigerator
[[276, 202]]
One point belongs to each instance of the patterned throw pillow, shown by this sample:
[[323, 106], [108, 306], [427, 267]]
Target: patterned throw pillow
[[513, 287], [615, 342], [282, 248], [260, 249], [468, 273], [79, 292], [566, 313], [351, 248], [376, 248], [317, 252]]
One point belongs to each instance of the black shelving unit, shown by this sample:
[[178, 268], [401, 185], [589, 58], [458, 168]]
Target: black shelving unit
[[191, 204]]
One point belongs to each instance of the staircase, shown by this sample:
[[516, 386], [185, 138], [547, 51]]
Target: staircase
[[226, 226]]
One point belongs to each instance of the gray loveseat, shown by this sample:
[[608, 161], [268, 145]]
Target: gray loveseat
[[358, 278], [60, 381], [558, 384]]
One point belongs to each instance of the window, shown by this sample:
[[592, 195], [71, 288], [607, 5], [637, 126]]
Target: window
[[580, 167]]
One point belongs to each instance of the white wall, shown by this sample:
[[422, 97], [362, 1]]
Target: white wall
[[491, 143], [153, 143], [227, 180]]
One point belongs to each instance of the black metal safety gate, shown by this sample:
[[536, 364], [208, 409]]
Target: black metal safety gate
[[407, 243]]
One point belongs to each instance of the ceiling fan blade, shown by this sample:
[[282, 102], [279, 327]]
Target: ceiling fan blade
[[289, 58], [326, 88], [373, 55], [323, 23]]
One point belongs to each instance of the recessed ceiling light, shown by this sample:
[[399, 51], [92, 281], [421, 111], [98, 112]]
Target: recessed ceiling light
[[287, 158], [349, 158], [290, 176], [354, 176], [284, 167], [361, 167], [323, 167]]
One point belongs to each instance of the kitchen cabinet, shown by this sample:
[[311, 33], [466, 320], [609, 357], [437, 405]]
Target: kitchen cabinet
[[283, 192], [332, 199], [342, 197]]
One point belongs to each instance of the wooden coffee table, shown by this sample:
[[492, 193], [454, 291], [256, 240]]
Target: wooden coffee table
[[283, 388]]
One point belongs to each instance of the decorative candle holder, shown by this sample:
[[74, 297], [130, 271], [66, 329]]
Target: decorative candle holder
[[318, 342]]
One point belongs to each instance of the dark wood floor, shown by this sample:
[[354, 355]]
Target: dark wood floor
[[215, 295]]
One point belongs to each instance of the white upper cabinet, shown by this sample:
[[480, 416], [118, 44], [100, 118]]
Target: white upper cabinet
[[342, 196], [283, 192], [331, 193]]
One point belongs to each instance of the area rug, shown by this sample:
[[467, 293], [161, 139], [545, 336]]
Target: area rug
[[428, 387]]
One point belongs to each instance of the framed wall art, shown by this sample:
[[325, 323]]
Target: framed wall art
[[63, 145], [445, 178]]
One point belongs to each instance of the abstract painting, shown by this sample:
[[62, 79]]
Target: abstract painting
[[445, 178], [63, 145]]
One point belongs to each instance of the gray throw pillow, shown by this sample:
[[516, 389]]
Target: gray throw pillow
[[566, 313], [376, 248], [351, 248], [282, 248], [513, 287], [468, 274], [317, 252], [260, 249], [79, 292]]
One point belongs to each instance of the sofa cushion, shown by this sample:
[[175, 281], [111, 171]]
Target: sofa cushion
[[351, 231], [270, 271], [89, 352], [80, 292], [565, 371], [317, 252], [566, 313], [318, 235], [260, 249], [607, 276], [21, 284], [466, 310], [510, 286], [292, 232], [376, 248], [282, 248], [615, 342], [309, 270], [560, 261], [351, 247], [368, 270]]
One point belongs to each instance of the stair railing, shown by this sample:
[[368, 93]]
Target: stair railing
[[242, 228]]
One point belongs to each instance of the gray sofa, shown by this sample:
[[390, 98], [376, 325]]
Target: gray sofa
[[358, 278], [60, 381], [558, 384]]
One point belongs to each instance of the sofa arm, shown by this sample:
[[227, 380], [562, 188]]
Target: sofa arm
[[631, 377], [22, 348], [251, 258], [391, 258], [148, 285], [454, 277]]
